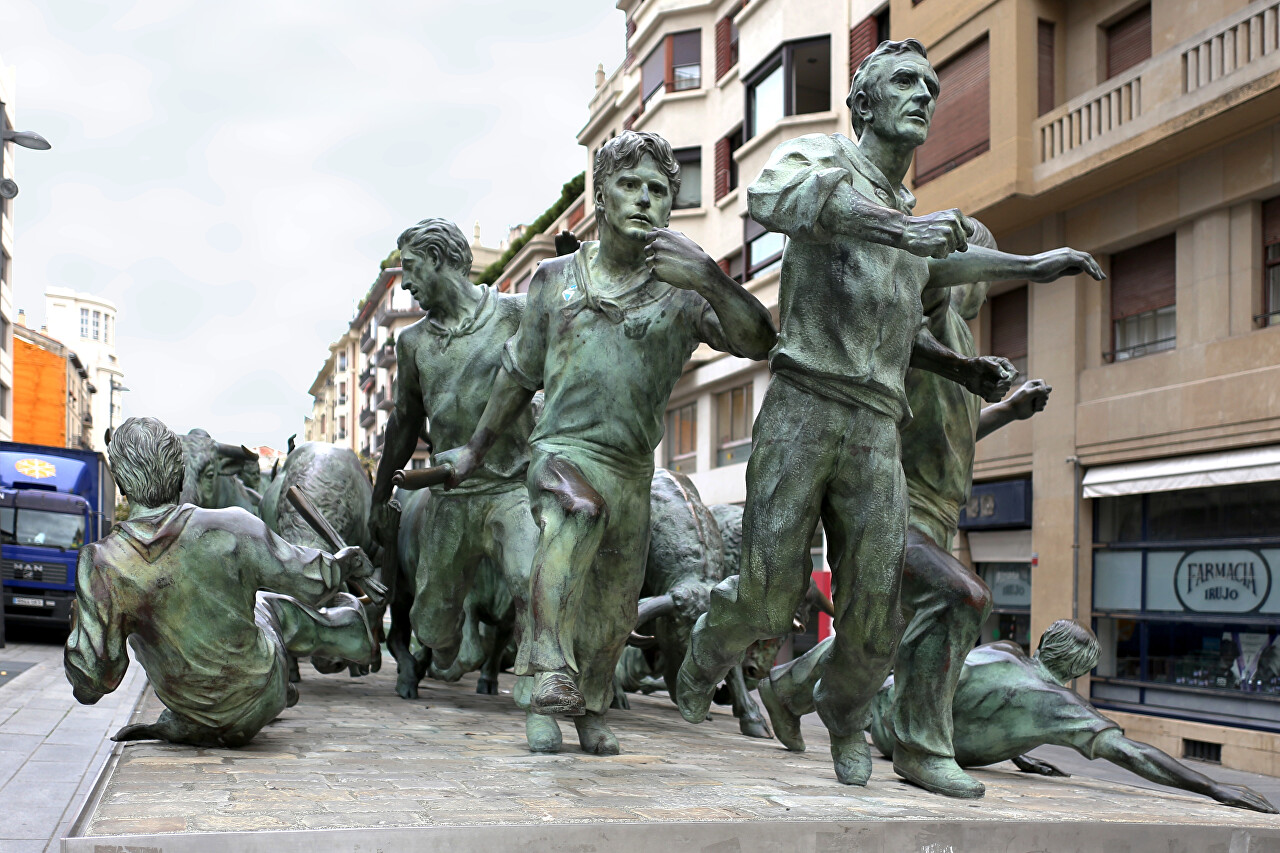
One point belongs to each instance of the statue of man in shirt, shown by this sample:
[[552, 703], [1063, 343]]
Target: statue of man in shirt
[[182, 586], [826, 445], [606, 332]]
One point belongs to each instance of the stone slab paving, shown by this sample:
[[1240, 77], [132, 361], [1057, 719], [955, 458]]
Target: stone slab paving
[[354, 756], [51, 746]]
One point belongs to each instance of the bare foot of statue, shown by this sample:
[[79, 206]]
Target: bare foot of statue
[[693, 696], [542, 732], [786, 725], [555, 693], [594, 736], [937, 773], [852, 757]]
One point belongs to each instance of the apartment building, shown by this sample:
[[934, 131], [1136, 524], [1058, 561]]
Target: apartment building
[[87, 324], [52, 392], [354, 392], [1146, 500]]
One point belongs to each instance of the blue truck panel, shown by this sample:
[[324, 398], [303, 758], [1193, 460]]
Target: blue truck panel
[[53, 500]]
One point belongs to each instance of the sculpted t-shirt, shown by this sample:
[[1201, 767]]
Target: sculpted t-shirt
[[850, 308], [453, 370], [607, 354]]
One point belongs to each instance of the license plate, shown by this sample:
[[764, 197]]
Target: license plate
[[23, 601]]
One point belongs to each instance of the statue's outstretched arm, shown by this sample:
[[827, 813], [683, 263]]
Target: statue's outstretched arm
[[987, 376], [1157, 766], [978, 263], [1030, 398]]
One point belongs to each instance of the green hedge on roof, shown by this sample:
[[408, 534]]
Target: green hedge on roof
[[568, 195]]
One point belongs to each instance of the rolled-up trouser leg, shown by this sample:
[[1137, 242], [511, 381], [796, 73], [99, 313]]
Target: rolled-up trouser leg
[[865, 519], [337, 631], [796, 439], [945, 605], [571, 517]]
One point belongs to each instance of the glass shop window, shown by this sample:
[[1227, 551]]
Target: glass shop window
[[682, 439], [1244, 511], [690, 196], [795, 80], [734, 414]]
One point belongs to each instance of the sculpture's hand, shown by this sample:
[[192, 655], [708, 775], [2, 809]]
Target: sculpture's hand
[[1031, 397], [937, 235], [1056, 263], [567, 243], [677, 260], [990, 377], [464, 460], [1242, 798], [384, 523], [1027, 764]]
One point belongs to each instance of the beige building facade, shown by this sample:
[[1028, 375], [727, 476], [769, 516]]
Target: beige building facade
[[1145, 500]]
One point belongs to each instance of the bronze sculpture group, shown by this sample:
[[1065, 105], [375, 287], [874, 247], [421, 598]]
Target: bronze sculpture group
[[538, 523]]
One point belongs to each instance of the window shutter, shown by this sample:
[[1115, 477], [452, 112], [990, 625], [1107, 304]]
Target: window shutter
[[1271, 222], [961, 128], [1129, 41], [1044, 75], [862, 40], [724, 36], [723, 153], [1009, 324], [1144, 278]]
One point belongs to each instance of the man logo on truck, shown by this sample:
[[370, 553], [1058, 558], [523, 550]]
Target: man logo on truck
[[35, 468]]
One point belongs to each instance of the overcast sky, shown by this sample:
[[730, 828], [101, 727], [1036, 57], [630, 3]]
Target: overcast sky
[[230, 173]]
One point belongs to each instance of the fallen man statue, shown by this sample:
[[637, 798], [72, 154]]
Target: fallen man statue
[[1007, 704], [182, 585]]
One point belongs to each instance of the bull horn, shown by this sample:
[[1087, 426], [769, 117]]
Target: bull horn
[[820, 599], [653, 607], [649, 609], [797, 627], [233, 451]]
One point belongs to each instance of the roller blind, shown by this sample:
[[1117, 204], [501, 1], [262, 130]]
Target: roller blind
[[1009, 324], [961, 127], [1144, 278], [862, 40], [1044, 70], [724, 45], [1129, 41]]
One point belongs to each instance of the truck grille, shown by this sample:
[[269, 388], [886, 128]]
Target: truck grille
[[24, 571]]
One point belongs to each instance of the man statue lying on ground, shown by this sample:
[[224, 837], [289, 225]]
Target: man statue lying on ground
[[1007, 704], [181, 584]]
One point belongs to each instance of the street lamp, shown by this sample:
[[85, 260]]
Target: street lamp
[[27, 139], [111, 408]]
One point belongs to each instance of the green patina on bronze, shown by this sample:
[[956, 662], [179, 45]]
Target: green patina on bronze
[[182, 586], [826, 441]]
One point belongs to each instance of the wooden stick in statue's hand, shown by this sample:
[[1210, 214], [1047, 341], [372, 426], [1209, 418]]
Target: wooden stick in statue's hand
[[422, 478], [370, 588]]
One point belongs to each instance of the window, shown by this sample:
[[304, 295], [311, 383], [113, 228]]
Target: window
[[726, 166], [690, 160], [733, 425], [1129, 41], [4, 400], [84, 323], [1009, 327], [4, 265], [1045, 96], [864, 37], [5, 327], [1270, 262], [97, 322], [793, 81], [726, 43], [106, 328], [763, 249], [1143, 299], [342, 361], [674, 65], [961, 128], [682, 439]]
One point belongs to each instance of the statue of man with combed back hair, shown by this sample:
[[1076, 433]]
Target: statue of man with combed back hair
[[606, 333], [182, 585], [826, 444]]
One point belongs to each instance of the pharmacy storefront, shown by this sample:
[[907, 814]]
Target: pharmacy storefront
[[997, 527], [1186, 603]]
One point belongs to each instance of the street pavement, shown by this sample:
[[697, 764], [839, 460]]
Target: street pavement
[[51, 747]]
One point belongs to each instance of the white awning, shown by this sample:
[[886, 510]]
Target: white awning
[[1228, 468], [1000, 546]]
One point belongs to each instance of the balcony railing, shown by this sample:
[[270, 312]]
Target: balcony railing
[[386, 355], [367, 417], [367, 378], [387, 316], [1182, 81], [366, 342], [386, 399]]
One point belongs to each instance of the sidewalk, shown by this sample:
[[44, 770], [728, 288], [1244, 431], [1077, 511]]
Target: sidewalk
[[51, 747]]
